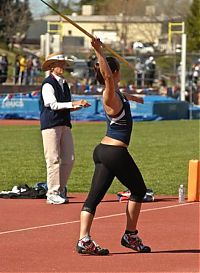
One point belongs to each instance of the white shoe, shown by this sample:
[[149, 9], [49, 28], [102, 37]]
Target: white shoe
[[55, 199]]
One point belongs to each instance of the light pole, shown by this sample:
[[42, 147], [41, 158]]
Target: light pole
[[183, 66], [124, 27]]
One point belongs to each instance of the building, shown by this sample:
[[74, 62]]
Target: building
[[117, 31]]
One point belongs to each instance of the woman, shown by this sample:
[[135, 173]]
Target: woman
[[112, 159]]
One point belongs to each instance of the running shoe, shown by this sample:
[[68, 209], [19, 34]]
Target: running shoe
[[88, 246], [55, 199], [131, 240]]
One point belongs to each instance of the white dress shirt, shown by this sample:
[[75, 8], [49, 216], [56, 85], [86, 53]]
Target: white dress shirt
[[49, 98]]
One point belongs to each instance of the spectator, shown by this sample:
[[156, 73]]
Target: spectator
[[35, 69], [196, 73], [163, 89], [139, 67], [22, 69], [91, 62], [16, 69], [29, 67], [150, 70], [179, 71], [3, 68]]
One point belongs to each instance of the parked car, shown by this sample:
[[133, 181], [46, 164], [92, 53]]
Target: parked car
[[143, 48]]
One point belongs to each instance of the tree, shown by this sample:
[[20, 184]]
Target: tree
[[123, 10], [15, 18], [170, 8], [64, 7], [127, 7], [96, 4], [193, 26]]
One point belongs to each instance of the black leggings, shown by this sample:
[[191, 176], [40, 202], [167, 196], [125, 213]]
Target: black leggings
[[111, 161]]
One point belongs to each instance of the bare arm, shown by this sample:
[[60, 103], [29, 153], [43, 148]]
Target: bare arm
[[133, 98], [111, 101]]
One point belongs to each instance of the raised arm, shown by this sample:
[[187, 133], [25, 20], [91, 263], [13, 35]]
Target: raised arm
[[111, 100]]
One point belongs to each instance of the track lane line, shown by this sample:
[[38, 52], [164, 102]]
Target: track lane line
[[96, 218]]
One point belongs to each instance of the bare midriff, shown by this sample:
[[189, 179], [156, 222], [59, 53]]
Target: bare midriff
[[111, 141]]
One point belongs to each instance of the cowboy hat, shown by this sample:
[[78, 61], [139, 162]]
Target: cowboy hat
[[53, 58]]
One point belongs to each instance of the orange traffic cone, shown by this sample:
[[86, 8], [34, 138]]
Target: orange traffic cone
[[194, 181]]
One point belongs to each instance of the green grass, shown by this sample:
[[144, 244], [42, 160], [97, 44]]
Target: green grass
[[161, 150]]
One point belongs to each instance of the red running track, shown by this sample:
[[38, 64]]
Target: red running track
[[36, 237]]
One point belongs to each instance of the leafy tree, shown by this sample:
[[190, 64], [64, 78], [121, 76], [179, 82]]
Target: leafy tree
[[169, 8], [193, 26], [66, 8], [98, 5], [15, 18]]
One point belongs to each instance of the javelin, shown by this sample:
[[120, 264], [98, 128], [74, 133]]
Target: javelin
[[89, 35]]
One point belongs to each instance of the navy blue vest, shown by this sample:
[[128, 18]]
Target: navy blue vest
[[50, 118], [120, 126]]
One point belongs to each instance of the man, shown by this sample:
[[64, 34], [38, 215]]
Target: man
[[150, 66], [55, 120]]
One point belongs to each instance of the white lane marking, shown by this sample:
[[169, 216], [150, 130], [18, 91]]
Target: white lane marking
[[96, 218]]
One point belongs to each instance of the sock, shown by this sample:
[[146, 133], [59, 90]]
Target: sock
[[85, 238]]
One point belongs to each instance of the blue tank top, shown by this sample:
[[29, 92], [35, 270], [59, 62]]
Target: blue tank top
[[120, 126]]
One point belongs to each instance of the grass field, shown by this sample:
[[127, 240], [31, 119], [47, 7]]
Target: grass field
[[161, 149]]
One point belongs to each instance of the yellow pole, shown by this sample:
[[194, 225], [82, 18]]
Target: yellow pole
[[169, 33]]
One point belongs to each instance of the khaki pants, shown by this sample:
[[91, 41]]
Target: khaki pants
[[59, 155]]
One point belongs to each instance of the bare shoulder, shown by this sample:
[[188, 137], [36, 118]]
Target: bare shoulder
[[112, 104]]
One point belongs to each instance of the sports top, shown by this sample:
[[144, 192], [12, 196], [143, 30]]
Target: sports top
[[120, 126]]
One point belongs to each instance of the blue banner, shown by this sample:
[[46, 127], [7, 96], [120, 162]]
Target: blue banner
[[26, 106]]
